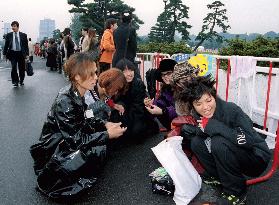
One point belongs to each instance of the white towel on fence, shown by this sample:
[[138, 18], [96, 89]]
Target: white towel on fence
[[242, 67]]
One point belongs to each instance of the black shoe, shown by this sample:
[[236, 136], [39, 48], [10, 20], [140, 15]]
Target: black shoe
[[21, 83], [232, 199], [15, 85]]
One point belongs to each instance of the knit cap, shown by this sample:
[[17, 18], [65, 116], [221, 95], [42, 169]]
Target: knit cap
[[183, 71]]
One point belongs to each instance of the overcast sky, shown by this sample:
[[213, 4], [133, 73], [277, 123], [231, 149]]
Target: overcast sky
[[245, 16]]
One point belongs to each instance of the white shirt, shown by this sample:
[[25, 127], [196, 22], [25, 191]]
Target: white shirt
[[14, 44]]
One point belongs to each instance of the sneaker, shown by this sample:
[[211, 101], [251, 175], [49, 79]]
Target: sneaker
[[211, 181], [15, 85], [231, 199], [21, 83]]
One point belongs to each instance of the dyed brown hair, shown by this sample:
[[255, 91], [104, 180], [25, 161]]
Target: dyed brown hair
[[113, 80], [80, 64]]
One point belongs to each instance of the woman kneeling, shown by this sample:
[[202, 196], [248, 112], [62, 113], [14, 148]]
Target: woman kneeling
[[72, 147]]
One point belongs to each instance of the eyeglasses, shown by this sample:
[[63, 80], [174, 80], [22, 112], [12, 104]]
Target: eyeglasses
[[166, 73]]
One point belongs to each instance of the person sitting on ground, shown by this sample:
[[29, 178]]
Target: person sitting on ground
[[163, 106], [135, 117], [72, 147], [183, 73], [224, 140], [111, 83]]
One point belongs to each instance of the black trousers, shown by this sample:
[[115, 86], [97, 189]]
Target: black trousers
[[18, 61], [228, 162], [137, 129]]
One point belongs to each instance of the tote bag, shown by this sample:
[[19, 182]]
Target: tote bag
[[186, 179]]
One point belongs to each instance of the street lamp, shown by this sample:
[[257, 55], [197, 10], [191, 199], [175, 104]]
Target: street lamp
[[165, 16]]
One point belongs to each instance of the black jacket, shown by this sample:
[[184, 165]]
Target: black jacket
[[133, 103], [120, 36], [71, 148], [233, 124], [9, 44]]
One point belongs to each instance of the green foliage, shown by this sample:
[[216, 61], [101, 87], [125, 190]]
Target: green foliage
[[94, 15], [216, 18], [259, 47], [169, 48], [76, 27], [56, 34], [172, 20], [262, 47]]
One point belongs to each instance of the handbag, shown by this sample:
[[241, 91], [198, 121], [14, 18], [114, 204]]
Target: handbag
[[186, 179], [29, 69]]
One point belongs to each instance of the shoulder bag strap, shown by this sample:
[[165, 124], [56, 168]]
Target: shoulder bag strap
[[127, 40]]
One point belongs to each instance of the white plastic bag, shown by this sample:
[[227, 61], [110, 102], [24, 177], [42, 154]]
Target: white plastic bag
[[186, 179]]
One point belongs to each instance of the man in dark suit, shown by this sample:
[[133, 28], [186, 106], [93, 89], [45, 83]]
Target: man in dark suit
[[16, 50]]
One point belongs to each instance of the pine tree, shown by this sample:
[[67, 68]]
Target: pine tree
[[172, 20], [95, 14], [216, 18]]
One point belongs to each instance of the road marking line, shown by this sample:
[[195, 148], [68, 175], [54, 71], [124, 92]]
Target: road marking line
[[4, 69]]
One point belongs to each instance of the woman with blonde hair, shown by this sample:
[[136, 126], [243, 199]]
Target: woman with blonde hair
[[73, 143]]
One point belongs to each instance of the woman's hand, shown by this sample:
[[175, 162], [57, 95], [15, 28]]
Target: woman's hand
[[148, 102], [115, 130], [110, 124], [154, 110], [120, 108]]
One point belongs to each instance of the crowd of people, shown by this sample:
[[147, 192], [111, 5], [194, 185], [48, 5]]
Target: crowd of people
[[106, 105]]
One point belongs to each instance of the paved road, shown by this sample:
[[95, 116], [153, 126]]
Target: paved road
[[125, 178]]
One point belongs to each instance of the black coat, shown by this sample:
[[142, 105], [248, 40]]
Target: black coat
[[120, 36], [233, 124], [52, 53], [136, 118], [72, 148], [9, 44]]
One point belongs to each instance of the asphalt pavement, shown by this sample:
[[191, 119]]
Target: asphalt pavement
[[125, 178]]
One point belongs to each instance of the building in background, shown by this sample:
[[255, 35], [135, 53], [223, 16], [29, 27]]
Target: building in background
[[47, 26], [7, 28]]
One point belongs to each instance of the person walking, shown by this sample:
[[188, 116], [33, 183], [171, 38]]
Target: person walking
[[16, 50], [31, 50], [107, 45]]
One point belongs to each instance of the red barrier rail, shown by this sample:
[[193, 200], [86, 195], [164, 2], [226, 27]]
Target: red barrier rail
[[275, 163], [267, 94], [217, 74], [228, 79]]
